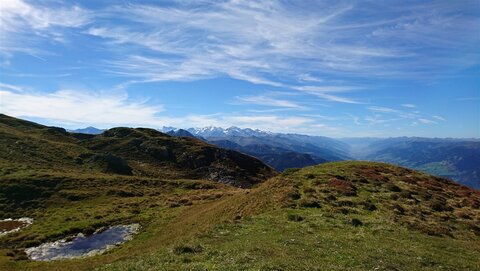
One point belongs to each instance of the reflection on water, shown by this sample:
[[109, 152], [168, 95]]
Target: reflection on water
[[82, 246], [12, 225]]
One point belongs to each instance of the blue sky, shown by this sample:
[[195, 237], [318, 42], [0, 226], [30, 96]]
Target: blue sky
[[332, 68]]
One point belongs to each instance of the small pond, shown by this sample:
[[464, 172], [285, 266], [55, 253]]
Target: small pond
[[12, 225], [83, 246]]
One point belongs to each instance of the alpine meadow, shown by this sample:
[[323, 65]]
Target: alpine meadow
[[239, 135]]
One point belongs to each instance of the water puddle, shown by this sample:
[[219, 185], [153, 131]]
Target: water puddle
[[83, 246], [12, 225]]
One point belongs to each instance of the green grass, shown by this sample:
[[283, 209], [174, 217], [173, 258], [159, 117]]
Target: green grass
[[272, 242], [335, 216], [85, 205]]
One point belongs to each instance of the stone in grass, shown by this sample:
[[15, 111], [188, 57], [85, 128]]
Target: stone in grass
[[356, 222]]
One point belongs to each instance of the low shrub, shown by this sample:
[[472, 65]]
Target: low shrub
[[309, 203], [295, 217], [356, 222], [392, 187], [290, 171], [369, 206], [184, 249]]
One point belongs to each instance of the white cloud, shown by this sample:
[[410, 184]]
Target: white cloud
[[335, 98], [18, 13], [382, 109], [79, 107], [426, 121], [309, 78], [439, 118], [23, 24], [274, 43], [325, 89], [409, 105], [268, 101], [269, 121], [355, 119], [264, 42], [376, 119], [10, 87]]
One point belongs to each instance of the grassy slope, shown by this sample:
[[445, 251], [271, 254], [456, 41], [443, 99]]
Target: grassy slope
[[29, 149], [456, 159], [302, 220], [337, 216], [406, 231]]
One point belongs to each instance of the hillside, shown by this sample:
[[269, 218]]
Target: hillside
[[453, 158], [141, 152], [334, 216]]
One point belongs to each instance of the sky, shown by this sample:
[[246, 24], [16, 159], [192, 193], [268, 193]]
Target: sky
[[329, 68]]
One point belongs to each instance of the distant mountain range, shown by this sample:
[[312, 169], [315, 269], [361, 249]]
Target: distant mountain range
[[122, 151], [458, 159], [89, 130], [278, 150]]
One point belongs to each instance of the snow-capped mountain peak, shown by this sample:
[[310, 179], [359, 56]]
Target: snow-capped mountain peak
[[214, 131]]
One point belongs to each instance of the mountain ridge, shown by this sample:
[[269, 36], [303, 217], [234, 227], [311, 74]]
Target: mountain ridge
[[332, 216], [304, 150], [130, 151]]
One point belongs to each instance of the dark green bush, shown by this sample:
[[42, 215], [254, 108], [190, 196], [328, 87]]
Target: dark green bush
[[295, 217], [356, 222], [183, 249]]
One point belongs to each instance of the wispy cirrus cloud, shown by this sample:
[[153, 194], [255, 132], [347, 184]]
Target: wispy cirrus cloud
[[268, 101], [23, 25], [426, 121], [263, 42], [10, 87], [399, 115], [378, 119], [336, 56], [438, 118], [382, 109], [287, 45]]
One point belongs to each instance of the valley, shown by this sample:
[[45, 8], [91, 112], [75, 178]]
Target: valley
[[457, 159], [334, 216]]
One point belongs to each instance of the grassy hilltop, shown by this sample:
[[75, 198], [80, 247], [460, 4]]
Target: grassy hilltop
[[334, 216]]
